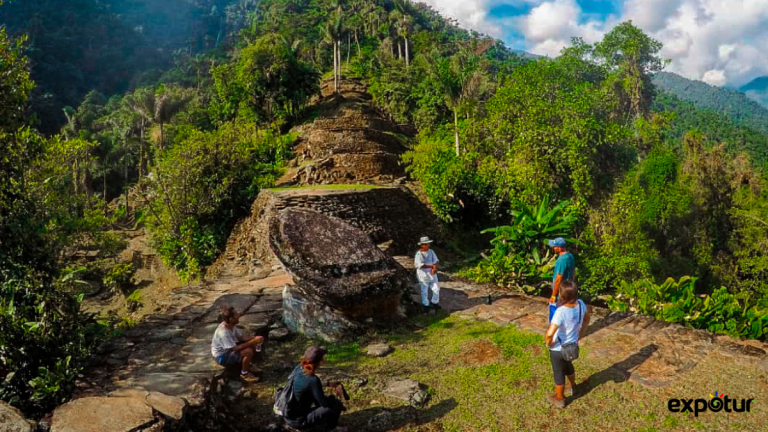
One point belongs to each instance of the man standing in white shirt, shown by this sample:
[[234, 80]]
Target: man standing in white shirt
[[426, 270]]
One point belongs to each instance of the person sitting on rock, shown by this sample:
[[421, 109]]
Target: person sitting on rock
[[229, 347], [426, 270], [310, 408]]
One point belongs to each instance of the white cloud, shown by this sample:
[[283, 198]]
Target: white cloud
[[714, 77], [720, 41], [472, 14], [550, 26]]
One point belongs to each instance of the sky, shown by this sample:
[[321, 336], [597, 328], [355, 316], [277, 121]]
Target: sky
[[721, 42]]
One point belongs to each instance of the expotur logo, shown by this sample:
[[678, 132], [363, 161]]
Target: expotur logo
[[717, 402]]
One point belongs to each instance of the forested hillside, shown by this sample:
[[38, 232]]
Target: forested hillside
[[757, 90], [721, 100], [111, 46], [573, 146]]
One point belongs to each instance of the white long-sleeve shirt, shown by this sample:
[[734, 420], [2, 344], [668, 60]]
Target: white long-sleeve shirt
[[425, 258]]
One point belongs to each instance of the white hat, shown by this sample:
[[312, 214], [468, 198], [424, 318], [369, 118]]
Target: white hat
[[425, 240]]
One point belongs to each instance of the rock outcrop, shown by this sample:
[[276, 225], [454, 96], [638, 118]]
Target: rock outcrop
[[11, 420], [337, 271], [380, 212]]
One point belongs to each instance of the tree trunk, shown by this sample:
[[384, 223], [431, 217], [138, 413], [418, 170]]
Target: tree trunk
[[161, 137], [76, 175], [399, 50], [335, 76], [456, 128], [357, 41], [125, 181], [407, 60], [339, 63], [349, 47]]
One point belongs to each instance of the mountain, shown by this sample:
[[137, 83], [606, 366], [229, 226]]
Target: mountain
[[732, 103], [757, 90]]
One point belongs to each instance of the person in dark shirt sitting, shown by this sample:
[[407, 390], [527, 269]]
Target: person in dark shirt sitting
[[310, 408]]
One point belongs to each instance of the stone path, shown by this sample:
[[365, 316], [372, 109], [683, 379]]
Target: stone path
[[650, 352], [169, 352]]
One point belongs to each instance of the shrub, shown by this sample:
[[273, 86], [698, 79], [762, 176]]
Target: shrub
[[119, 276], [44, 342], [738, 315], [519, 255], [204, 184], [134, 301]]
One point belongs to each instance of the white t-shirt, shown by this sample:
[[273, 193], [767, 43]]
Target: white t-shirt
[[428, 258], [224, 340], [568, 324]]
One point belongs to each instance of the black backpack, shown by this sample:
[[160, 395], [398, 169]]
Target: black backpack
[[284, 396]]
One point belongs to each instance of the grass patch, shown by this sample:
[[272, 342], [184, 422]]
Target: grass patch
[[343, 354], [507, 391], [323, 187]]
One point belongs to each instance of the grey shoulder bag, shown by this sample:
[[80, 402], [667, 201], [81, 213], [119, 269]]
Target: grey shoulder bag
[[570, 351]]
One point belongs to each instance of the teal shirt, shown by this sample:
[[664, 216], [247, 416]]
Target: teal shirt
[[566, 266]]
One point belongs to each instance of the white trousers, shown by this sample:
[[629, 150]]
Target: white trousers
[[425, 287]]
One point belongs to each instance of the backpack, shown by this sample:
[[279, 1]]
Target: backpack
[[570, 351], [284, 396]]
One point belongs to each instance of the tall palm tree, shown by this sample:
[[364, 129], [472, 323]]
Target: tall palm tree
[[333, 33], [461, 81], [405, 26], [167, 104], [155, 108]]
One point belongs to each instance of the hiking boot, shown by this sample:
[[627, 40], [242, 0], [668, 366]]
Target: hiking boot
[[560, 403], [436, 307], [249, 377], [427, 309]]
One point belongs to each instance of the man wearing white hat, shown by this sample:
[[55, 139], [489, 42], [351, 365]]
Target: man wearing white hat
[[426, 270]]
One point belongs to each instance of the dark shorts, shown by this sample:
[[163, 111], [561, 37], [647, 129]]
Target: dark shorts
[[560, 367], [230, 358]]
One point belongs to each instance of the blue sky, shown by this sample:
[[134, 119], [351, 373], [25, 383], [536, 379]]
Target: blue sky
[[722, 42]]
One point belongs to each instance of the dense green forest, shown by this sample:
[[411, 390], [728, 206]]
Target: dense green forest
[[648, 187], [721, 100]]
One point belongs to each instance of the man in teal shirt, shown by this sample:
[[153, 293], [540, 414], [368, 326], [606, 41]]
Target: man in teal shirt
[[565, 267]]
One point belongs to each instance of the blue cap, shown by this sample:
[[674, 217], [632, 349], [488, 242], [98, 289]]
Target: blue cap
[[558, 242]]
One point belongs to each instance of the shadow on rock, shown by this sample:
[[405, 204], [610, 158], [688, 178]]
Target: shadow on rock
[[618, 372], [383, 419]]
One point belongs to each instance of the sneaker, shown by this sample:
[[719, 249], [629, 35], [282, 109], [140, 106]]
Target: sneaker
[[560, 403], [249, 377]]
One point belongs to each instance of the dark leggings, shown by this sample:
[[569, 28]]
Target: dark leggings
[[560, 367], [321, 418]]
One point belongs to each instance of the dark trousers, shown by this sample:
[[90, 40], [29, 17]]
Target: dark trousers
[[321, 418], [560, 367]]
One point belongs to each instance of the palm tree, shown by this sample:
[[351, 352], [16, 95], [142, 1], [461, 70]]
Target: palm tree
[[395, 18], [167, 104], [405, 25], [155, 108], [142, 104], [461, 81], [333, 33]]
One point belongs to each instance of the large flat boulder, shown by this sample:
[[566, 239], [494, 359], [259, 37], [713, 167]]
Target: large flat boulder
[[337, 264], [102, 414]]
